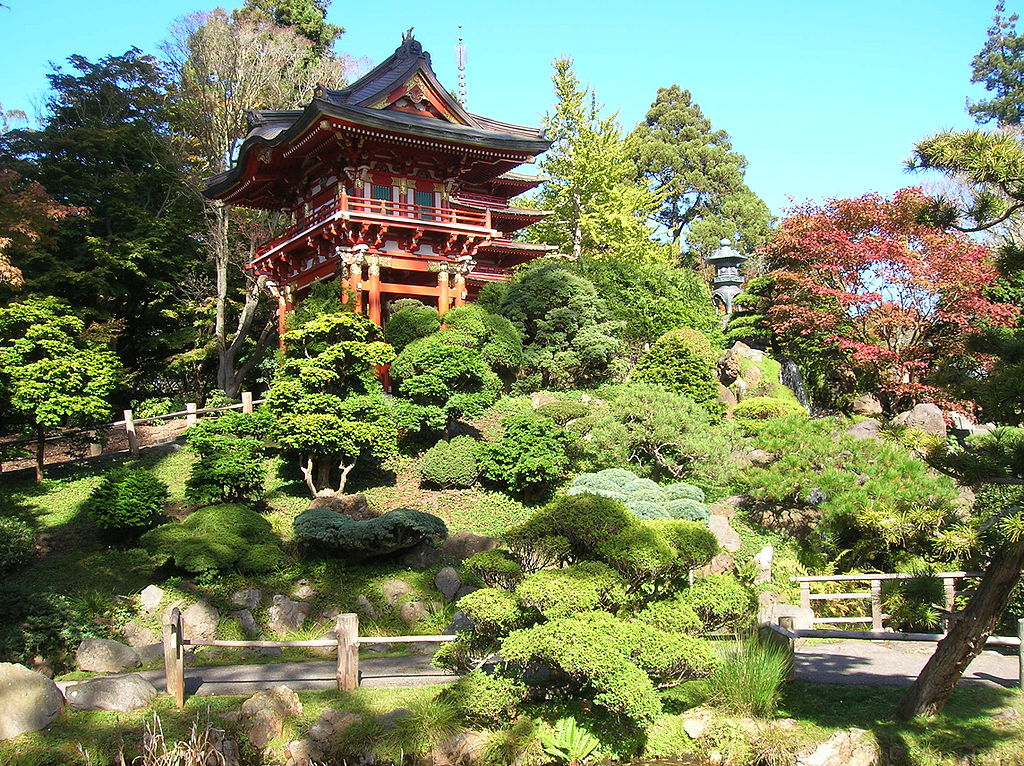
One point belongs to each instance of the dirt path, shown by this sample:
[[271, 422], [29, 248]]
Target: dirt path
[[893, 663]]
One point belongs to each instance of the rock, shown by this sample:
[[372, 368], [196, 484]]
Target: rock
[[923, 417], [424, 555], [227, 748], [727, 537], [303, 752], [286, 615], [42, 666], [460, 621], [726, 397], [30, 700], [728, 368], [727, 507], [331, 723], [866, 429], [199, 621], [867, 405], [136, 634], [263, 714], [448, 582], [150, 598], [354, 506], [962, 426], [851, 747], [697, 721], [752, 376], [1008, 715], [150, 653], [365, 608], [721, 564], [760, 457], [462, 545], [803, 616], [465, 590], [247, 623], [541, 398], [763, 560], [103, 655], [394, 589], [304, 590], [119, 693], [412, 612], [466, 746], [247, 599], [269, 651]]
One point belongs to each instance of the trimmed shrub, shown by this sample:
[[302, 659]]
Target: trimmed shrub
[[231, 465], [672, 615], [719, 601], [410, 323], [215, 538], [643, 497], [682, 361], [493, 611], [530, 456], [496, 569], [261, 559], [563, 411], [572, 526], [584, 587], [454, 463], [154, 406], [753, 411], [127, 500], [486, 699], [17, 543], [332, 533]]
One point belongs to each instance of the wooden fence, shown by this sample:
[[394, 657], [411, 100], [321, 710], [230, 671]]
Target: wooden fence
[[347, 641], [191, 413], [873, 594]]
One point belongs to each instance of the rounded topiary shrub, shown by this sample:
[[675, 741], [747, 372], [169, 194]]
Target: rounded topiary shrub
[[128, 499], [719, 601], [17, 543], [563, 411], [757, 409], [411, 322], [682, 361], [454, 463], [644, 497]]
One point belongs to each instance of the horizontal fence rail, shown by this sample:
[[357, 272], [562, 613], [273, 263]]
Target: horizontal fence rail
[[128, 422], [873, 594], [347, 641]]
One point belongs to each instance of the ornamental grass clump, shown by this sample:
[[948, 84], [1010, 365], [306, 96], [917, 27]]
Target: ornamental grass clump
[[748, 680]]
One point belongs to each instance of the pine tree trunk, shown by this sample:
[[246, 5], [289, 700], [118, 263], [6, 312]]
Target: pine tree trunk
[[938, 678]]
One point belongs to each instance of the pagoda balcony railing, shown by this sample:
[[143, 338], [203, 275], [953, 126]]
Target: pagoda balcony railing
[[347, 207]]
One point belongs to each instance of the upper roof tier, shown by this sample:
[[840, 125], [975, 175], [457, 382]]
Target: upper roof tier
[[401, 97]]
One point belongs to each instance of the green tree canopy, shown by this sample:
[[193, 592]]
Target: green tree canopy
[[694, 171], [1000, 67], [51, 373]]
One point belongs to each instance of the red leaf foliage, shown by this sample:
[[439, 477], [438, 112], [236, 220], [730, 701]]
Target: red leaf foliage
[[898, 296]]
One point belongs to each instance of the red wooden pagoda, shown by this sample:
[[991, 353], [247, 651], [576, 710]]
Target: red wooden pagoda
[[390, 184]]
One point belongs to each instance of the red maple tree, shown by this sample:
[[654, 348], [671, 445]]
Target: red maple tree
[[899, 297], [27, 216]]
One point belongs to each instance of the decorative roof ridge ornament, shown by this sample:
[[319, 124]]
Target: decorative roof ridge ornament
[[411, 47]]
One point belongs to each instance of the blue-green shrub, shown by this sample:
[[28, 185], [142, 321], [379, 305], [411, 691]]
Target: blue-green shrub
[[326, 531], [644, 497]]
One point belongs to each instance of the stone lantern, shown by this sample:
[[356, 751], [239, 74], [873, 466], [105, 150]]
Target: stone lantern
[[728, 281]]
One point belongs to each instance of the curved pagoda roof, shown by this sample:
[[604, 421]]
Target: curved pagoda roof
[[401, 97]]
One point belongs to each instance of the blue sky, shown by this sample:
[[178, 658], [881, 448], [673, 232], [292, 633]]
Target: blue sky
[[824, 98]]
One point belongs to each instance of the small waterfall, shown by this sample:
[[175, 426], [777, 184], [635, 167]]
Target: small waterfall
[[791, 378]]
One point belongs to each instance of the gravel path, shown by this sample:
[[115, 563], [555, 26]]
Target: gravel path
[[893, 663]]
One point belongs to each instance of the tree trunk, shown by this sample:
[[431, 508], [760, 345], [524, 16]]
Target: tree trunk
[[40, 453], [973, 626]]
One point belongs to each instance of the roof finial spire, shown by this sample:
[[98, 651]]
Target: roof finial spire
[[407, 35], [460, 62]]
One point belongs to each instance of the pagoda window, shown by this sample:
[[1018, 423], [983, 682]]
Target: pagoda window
[[380, 192], [424, 199]]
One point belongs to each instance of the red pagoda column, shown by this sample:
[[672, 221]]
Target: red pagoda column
[[443, 299], [355, 279], [373, 270], [460, 285]]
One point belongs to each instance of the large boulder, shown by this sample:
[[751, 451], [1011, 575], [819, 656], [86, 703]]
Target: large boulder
[[29, 701], [247, 599], [866, 429], [354, 506], [264, 713], [286, 615], [118, 693], [866, 405], [199, 621], [394, 589], [448, 582], [727, 537], [850, 747], [102, 655], [424, 555], [150, 598], [923, 417], [462, 545]]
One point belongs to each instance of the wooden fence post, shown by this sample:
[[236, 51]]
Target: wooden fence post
[[805, 595], [1020, 654], [347, 631], [876, 605], [174, 658], [247, 402], [95, 446], [190, 414], [129, 428]]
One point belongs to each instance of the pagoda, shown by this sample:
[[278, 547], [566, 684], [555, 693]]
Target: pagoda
[[390, 184]]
